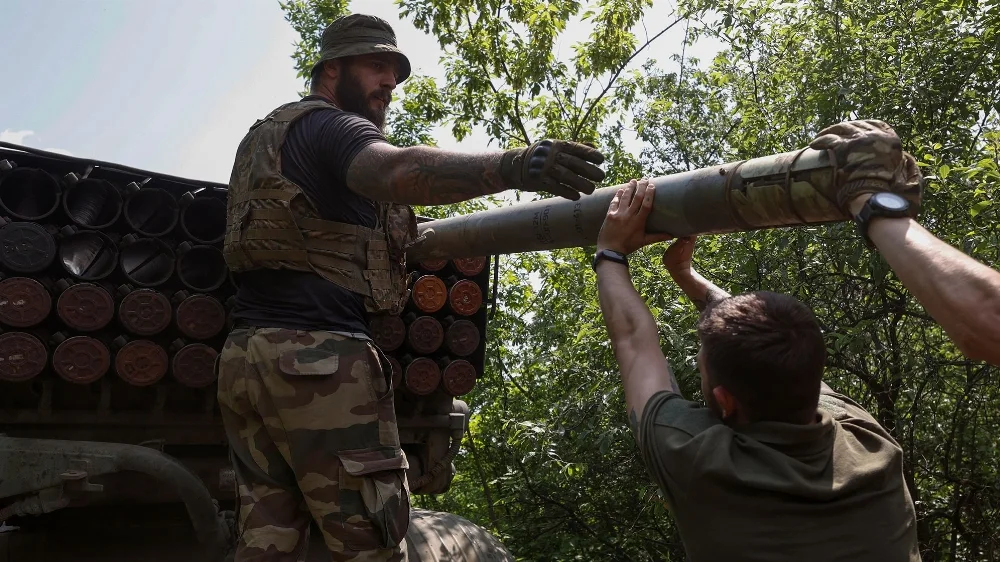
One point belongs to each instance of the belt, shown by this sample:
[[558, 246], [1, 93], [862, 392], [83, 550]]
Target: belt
[[352, 335]]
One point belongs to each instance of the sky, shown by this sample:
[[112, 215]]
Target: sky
[[172, 86]]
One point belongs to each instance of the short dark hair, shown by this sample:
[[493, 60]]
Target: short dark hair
[[767, 350]]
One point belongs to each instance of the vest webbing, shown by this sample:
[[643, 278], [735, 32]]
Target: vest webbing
[[271, 224]]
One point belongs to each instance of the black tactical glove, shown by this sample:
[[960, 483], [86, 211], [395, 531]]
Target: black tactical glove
[[561, 168]]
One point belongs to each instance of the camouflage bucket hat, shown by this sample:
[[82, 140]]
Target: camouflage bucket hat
[[361, 34]]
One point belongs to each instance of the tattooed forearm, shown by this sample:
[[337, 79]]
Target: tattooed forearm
[[701, 291], [422, 175], [712, 294]]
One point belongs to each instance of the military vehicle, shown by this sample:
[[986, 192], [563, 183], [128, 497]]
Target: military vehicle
[[114, 305]]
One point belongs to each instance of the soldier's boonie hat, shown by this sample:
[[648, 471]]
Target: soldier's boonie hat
[[361, 34]]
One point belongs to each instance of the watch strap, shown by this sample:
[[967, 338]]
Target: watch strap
[[610, 255], [862, 220], [872, 209]]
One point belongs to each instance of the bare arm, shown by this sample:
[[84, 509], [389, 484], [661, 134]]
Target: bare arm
[[422, 175], [634, 339], [634, 336], [677, 261], [961, 294], [701, 291]]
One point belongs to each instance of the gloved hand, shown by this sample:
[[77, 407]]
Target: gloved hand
[[870, 159], [559, 167]]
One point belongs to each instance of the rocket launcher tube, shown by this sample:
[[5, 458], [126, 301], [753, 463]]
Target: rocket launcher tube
[[203, 218], [27, 193], [202, 267], [87, 255], [146, 262], [91, 203], [150, 211], [787, 189]]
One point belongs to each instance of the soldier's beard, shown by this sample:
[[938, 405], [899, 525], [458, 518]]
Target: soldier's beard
[[351, 97]]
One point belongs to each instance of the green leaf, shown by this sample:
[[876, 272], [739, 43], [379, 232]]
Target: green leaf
[[979, 207]]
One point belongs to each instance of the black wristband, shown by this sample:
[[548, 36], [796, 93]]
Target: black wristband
[[610, 255]]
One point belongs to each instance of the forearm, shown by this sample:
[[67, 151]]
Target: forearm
[[961, 294], [635, 338], [701, 291], [423, 175], [625, 313]]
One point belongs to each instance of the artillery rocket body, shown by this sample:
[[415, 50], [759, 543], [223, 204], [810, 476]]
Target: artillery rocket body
[[787, 189]]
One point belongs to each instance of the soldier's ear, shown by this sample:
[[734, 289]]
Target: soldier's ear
[[331, 69]]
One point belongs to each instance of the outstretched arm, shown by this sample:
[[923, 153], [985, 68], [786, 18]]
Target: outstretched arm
[[422, 175], [634, 336], [960, 293]]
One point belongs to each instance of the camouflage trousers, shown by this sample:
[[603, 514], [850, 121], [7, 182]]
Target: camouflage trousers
[[312, 428]]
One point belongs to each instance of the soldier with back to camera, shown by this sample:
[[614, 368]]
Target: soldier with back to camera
[[786, 467], [319, 219]]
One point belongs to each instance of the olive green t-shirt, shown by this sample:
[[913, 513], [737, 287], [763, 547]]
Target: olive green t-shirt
[[829, 491]]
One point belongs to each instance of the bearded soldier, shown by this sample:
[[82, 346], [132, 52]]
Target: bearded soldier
[[319, 220]]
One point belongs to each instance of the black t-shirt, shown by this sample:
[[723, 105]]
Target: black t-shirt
[[317, 152]]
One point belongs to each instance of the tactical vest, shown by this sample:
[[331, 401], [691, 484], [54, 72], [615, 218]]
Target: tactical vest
[[271, 224]]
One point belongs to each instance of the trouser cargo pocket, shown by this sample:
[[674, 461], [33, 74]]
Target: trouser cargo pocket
[[375, 497]]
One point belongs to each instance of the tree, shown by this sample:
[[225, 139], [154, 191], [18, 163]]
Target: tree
[[930, 69], [549, 464], [308, 18]]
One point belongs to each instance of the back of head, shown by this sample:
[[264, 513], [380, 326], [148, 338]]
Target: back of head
[[767, 350]]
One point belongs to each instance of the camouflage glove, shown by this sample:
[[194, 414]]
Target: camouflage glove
[[870, 159], [561, 168]]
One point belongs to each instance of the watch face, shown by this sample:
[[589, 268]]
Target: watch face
[[890, 201]]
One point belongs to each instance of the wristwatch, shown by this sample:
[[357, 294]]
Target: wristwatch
[[882, 204], [606, 254]]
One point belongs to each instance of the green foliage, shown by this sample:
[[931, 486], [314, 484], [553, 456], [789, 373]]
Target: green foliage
[[549, 464], [308, 18], [503, 73], [420, 107]]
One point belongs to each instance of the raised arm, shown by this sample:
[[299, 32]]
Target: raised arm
[[960, 293], [677, 260], [422, 175], [634, 336]]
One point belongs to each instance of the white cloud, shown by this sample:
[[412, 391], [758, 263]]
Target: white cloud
[[16, 137]]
